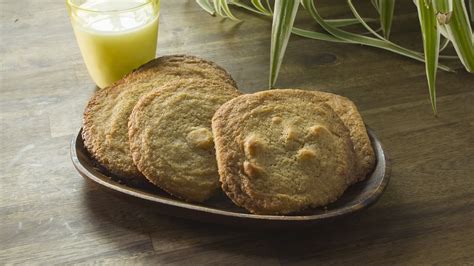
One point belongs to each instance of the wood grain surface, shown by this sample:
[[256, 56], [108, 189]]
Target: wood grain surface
[[49, 214]]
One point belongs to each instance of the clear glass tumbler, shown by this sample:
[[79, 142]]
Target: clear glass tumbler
[[115, 36]]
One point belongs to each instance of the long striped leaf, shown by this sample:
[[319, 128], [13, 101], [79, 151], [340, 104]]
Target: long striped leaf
[[444, 11], [346, 21], [471, 10], [316, 35], [207, 6], [248, 7], [375, 3], [283, 19], [269, 6], [225, 8], [431, 37], [386, 8], [364, 40], [443, 6], [259, 6], [443, 44], [458, 31], [217, 8], [362, 21]]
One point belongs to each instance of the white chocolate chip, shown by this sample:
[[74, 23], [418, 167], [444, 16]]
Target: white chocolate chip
[[201, 138], [251, 145], [276, 120], [252, 170], [305, 154]]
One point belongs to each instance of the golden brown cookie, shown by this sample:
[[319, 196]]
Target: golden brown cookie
[[105, 130], [281, 151], [347, 111], [171, 139]]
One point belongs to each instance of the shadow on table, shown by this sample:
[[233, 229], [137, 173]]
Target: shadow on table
[[368, 235]]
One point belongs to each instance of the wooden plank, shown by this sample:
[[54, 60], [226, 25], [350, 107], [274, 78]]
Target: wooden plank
[[49, 215]]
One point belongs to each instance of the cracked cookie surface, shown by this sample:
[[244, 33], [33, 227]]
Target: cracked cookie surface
[[282, 151], [171, 139]]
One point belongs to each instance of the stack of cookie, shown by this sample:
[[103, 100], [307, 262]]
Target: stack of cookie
[[180, 123], [166, 106]]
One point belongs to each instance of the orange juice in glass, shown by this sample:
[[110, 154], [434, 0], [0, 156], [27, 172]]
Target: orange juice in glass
[[114, 36]]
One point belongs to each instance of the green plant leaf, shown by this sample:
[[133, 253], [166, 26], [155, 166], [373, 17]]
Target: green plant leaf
[[443, 6], [431, 38], [269, 6], [364, 40], [451, 18], [443, 10], [226, 10], [375, 3], [259, 6], [248, 7], [302, 3], [346, 21], [443, 44], [283, 19], [471, 10], [362, 21], [217, 8], [386, 8], [458, 31], [256, 7], [263, 11], [207, 6], [316, 35]]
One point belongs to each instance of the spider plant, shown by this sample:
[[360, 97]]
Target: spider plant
[[441, 21]]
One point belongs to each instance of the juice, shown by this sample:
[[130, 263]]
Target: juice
[[115, 36]]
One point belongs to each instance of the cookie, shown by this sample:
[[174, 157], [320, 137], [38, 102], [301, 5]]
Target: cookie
[[171, 140], [105, 130], [347, 111], [282, 151]]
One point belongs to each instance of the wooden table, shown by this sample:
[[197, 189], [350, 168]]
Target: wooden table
[[49, 214]]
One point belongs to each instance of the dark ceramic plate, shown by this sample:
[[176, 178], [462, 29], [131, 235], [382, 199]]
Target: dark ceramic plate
[[221, 210]]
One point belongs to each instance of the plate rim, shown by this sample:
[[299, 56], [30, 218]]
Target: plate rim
[[382, 162]]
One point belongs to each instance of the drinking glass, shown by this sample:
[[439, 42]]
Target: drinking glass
[[114, 36]]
